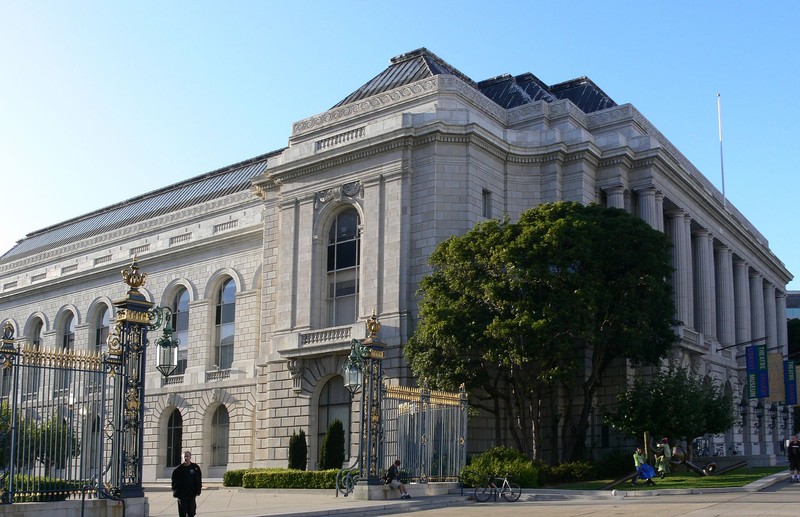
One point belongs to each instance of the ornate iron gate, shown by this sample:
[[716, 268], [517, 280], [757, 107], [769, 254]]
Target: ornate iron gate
[[427, 431], [71, 422], [57, 419]]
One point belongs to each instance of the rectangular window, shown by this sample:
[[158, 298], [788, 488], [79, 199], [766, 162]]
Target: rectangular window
[[487, 204]]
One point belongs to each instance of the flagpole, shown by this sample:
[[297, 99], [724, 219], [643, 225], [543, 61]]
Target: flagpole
[[721, 161]]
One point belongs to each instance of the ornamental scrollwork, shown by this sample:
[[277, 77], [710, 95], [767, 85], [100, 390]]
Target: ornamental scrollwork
[[348, 190]]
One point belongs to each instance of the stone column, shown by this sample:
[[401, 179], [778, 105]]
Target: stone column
[[757, 324], [647, 207], [741, 290], [616, 197], [780, 311], [660, 211], [704, 307], [682, 263], [770, 317], [726, 318]]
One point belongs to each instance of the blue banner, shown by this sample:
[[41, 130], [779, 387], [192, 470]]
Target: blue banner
[[757, 376], [790, 381]]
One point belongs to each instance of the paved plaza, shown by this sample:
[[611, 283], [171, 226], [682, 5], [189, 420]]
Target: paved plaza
[[772, 496]]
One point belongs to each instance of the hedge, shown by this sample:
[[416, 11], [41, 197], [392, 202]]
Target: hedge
[[281, 478]]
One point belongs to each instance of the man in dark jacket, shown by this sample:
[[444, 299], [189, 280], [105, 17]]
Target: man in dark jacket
[[187, 480], [793, 452]]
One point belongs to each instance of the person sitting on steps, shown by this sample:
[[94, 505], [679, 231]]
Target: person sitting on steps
[[393, 480]]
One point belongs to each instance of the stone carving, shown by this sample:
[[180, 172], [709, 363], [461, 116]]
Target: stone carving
[[351, 190], [297, 368]]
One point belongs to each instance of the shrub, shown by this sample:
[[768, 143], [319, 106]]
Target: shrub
[[615, 464], [289, 478], [499, 461], [298, 451], [233, 477], [569, 472], [331, 454]]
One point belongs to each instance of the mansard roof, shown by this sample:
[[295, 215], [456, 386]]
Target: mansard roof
[[506, 90], [212, 185]]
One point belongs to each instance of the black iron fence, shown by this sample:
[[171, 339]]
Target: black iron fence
[[426, 430], [56, 422]]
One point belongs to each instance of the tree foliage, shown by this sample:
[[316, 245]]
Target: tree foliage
[[332, 450], [672, 403], [298, 450], [519, 310]]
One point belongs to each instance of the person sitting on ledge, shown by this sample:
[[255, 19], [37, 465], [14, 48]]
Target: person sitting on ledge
[[393, 480]]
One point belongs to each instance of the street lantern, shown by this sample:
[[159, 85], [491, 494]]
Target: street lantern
[[363, 371], [352, 372], [759, 413], [744, 408], [167, 353], [773, 414]]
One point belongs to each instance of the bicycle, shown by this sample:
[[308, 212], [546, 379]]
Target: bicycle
[[509, 491]]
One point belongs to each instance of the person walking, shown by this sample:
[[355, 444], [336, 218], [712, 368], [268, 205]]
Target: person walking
[[793, 453], [643, 470], [663, 455], [393, 480], [187, 481]]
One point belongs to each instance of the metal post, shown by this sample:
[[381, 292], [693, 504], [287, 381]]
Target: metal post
[[135, 316], [366, 357]]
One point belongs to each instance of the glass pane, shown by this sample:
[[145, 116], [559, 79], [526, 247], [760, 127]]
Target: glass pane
[[346, 255], [345, 310], [228, 292], [228, 313], [347, 225], [331, 257]]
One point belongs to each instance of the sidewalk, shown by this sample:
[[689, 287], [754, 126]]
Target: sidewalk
[[219, 501]]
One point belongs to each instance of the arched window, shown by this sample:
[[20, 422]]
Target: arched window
[[100, 346], [63, 377], [343, 259], [219, 437], [30, 381], [180, 324], [225, 319], [174, 439], [101, 332], [334, 404]]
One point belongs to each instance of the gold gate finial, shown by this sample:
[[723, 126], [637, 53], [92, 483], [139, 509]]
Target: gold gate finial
[[373, 325], [133, 277]]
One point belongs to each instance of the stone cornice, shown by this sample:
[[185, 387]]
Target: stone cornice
[[106, 239], [355, 109]]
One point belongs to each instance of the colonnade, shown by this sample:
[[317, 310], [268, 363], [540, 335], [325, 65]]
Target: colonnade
[[721, 300]]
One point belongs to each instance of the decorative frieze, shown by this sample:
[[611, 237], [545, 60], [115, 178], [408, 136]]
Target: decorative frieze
[[348, 190]]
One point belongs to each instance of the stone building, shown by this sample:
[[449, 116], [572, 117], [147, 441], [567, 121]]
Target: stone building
[[272, 264]]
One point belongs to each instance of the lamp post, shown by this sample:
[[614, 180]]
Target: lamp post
[[759, 414], [773, 415], [127, 344], [744, 408], [785, 416], [363, 369]]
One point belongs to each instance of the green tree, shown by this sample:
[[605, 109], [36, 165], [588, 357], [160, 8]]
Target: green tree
[[522, 312], [793, 334], [672, 403], [298, 450], [331, 454]]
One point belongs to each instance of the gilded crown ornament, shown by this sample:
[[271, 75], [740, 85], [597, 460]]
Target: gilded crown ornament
[[373, 325], [133, 277]]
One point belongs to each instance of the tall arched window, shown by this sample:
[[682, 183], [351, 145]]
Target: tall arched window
[[334, 404], [225, 319], [100, 345], [101, 331], [180, 324], [30, 382], [63, 377], [174, 439], [343, 259], [219, 437]]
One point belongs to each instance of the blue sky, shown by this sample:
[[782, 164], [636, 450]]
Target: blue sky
[[101, 101]]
